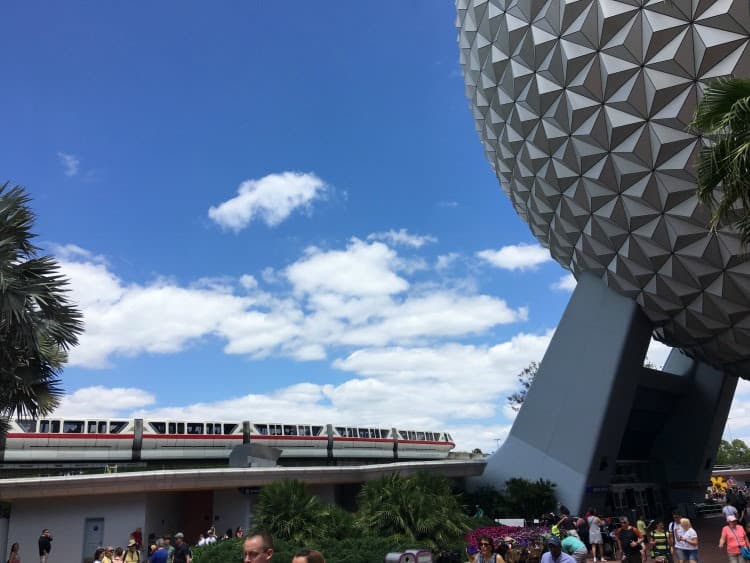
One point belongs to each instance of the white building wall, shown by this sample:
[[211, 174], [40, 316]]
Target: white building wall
[[231, 509], [65, 518], [163, 515]]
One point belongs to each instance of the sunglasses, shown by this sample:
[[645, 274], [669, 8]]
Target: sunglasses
[[483, 543]]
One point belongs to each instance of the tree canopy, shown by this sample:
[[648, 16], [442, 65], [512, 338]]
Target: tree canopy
[[525, 379], [735, 452], [38, 324], [723, 170]]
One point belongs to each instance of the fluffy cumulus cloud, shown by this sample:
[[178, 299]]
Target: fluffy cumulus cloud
[[516, 257], [93, 401], [360, 269], [350, 297], [565, 283], [402, 237], [270, 199], [70, 163]]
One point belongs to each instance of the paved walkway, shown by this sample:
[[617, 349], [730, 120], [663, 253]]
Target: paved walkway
[[709, 530]]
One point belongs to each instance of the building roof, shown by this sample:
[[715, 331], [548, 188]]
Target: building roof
[[221, 478]]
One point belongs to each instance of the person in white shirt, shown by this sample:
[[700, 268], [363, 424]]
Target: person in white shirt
[[686, 544]]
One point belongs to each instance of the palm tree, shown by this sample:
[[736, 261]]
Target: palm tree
[[38, 324], [724, 117], [289, 511], [420, 508]]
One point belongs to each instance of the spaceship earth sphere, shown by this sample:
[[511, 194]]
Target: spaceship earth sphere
[[582, 107]]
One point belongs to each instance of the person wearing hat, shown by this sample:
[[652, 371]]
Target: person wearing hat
[[132, 555], [182, 553], [555, 553], [735, 538]]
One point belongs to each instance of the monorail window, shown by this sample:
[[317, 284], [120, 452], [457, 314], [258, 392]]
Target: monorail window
[[430, 436], [374, 433], [412, 435], [73, 427], [261, 428], [117, 426], [316, 430], [47, 426], [210, 428], [229, 428], [158, 427], [194, 428], [305, 431], [275, 430], [384, 433], [403, 434], [27, 425], [420, 435], [290, 430], [341, 431], [364, 433]]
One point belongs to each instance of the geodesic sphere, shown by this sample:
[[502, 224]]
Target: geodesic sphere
[[583, 107]]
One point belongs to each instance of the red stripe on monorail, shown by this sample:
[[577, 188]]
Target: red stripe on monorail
[[70, 436], [353, 439], [193, 436], [269, 437], [426, 442]]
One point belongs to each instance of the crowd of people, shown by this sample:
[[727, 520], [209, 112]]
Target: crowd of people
[[168, 549], [576, 539], [672, 540]]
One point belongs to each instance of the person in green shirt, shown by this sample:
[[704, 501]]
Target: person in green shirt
[[575, 548]]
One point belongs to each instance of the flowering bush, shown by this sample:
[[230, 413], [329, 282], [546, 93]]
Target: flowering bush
[[522, 536]]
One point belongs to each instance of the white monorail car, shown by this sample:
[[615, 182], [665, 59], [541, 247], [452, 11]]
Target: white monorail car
[[88, 440]]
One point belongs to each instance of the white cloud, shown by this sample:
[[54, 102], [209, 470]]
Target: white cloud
[[516, 257], [248, 282], [658, 353], [565, 283], [328, 299], [402, 237], [104, 402], [445, 261], [271, 199], [738, 422], [75, 252], [361, 269], [69, 162]]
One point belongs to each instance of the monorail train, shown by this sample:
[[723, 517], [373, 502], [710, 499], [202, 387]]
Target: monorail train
[[87, 440]]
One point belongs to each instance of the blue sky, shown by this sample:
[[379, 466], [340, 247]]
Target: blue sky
[[274, 211]]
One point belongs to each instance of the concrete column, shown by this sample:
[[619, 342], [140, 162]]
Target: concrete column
[[572, 422], [689, 439]]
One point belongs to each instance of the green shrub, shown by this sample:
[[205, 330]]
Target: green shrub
[[365, 549]]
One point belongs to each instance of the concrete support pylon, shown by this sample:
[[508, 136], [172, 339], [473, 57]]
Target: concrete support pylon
[[591, 389]]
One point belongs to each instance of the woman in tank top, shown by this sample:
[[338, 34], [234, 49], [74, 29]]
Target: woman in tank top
[[595, 535], [486, 552]]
